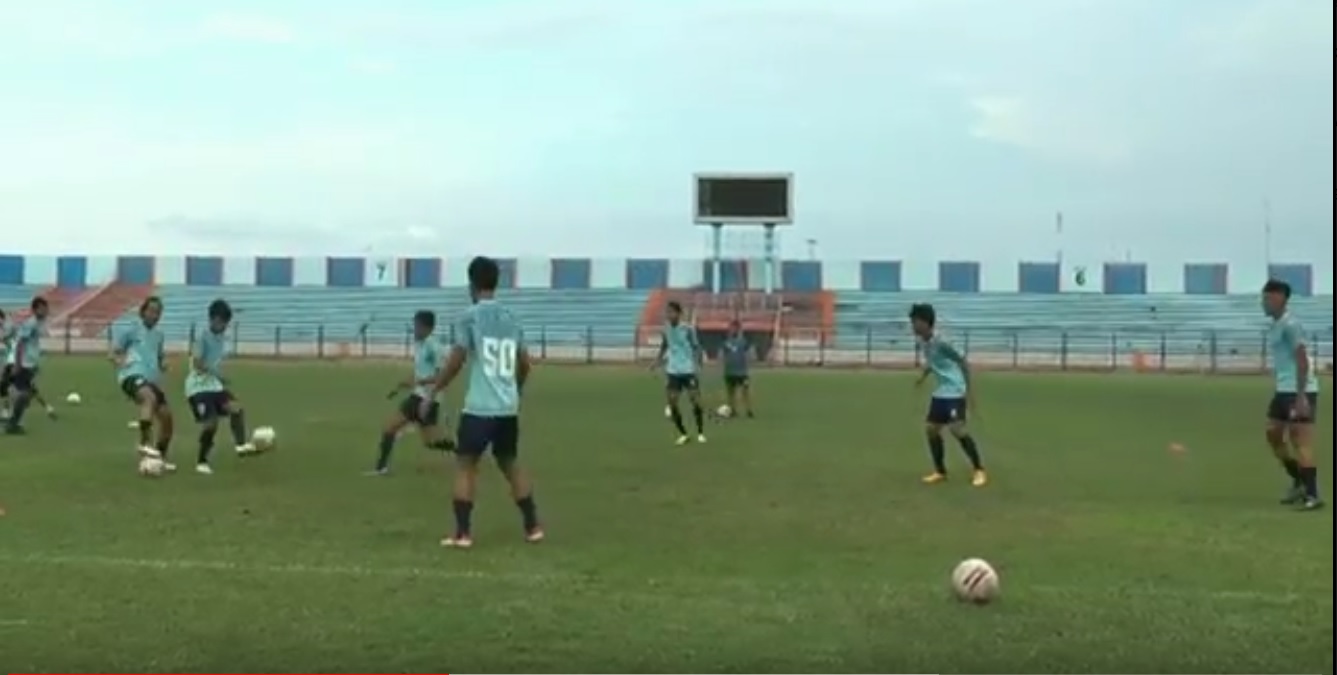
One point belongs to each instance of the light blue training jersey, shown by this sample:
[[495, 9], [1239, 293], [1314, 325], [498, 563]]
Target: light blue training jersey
[[428, 357], [494, 341], [142, 348], [7, 331], [1284, 336], [942, 359], [683, 348], [25, 350], [735, 356], [209, 348]]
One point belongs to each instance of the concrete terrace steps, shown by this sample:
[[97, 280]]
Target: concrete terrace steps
[[383, 315]]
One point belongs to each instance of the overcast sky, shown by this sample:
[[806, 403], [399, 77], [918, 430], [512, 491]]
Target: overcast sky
[[933, 128]]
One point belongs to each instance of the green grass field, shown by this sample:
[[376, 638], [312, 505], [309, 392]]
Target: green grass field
[[799, 542]]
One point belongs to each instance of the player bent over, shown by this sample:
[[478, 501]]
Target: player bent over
[[489, 338], [951, 399], [207, 391], [22, 364], [680, 354], [421, 407], [137, 352], [1294, 406]]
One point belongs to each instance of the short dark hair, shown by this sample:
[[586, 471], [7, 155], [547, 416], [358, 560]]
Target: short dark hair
[[484, 273], [675, 306], [1277, 287], [39, 302], [923, 311], [219, 309], [425, 318], [2, 313], [151, 300]]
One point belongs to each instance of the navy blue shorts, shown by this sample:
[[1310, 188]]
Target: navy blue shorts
[[477, 435], [680, 383], [411, 409], [130, 386], [21, 379], [1282, 408], [210, 405], [732, 382], [945, 411]]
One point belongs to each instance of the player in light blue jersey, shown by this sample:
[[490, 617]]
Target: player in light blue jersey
[[952, 397], [138, 354], [7, 331], [734, 353], [207, 391], [1294, 406], [680, 356], [23, 362], [488, 337], [421, 407]]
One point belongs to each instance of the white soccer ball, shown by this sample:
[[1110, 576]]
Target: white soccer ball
[[724, 411], [975, 580], [264, 438], [74, 398], [668, 411], [150, 467]]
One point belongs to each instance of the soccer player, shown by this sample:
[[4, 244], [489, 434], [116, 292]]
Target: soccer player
[[951, 399], [1291, 414], [422, 407], [489, 338], [7, 331], [207, 391], [137, 352], [737, 383], [680, 355], [23, 362]]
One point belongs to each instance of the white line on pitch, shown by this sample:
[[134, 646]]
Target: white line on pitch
[[300, 569]]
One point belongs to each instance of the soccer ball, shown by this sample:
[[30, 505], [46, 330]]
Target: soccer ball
[[975, 580], [264, 438], [668, 411], [74, 398], [150, 467], [724, 411]]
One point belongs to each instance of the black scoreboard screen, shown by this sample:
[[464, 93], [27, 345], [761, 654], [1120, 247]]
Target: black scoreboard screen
[[761, 199]]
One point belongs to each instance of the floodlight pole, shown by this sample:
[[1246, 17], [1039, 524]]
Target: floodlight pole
[[716, 252]]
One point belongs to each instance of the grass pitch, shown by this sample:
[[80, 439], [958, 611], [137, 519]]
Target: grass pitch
[[799, 542]]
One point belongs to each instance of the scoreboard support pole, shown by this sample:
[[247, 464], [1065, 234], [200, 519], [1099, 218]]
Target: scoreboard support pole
[[716, 253], [769, 252]]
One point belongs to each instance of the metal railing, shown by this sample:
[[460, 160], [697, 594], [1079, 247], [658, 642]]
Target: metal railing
[[1019, 348]]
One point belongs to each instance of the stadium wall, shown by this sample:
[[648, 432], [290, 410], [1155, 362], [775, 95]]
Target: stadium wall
[[959, 276]]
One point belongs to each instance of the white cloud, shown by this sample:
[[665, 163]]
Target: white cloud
[[1267, 33], [1018, 122]]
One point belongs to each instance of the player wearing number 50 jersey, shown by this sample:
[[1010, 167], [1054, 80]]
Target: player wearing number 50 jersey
[[489, 339]]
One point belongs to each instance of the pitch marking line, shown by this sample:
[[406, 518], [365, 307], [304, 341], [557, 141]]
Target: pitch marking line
[[301, 569]]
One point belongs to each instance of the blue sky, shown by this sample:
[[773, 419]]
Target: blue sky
[[933, 128]]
